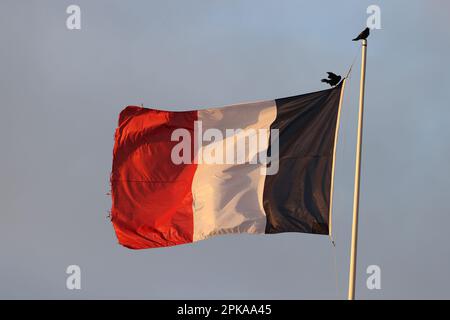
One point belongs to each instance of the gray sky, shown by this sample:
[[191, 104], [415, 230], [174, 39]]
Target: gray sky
[[61, 92]]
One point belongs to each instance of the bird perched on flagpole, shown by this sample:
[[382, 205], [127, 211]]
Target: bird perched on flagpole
[[363, 35], [333, 79]]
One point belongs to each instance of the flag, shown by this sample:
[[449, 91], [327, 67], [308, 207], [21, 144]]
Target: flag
[[261, 168]]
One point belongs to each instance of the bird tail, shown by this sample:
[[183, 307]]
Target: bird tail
[[325, 81], [356, 39]]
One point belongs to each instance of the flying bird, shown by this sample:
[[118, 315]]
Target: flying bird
[[363, 35], [333, 79]]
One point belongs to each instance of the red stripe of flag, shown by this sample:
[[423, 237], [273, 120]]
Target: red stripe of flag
[[151, 196]]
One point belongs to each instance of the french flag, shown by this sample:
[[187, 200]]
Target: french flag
[[259, 168]]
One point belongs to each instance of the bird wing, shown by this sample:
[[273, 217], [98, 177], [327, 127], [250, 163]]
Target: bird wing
[[331, 75], [363, 35]]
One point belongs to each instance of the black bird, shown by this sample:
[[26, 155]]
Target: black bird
[[333, 79], [363, 35]]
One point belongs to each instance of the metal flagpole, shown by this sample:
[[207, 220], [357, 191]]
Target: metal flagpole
[[354, 243]]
